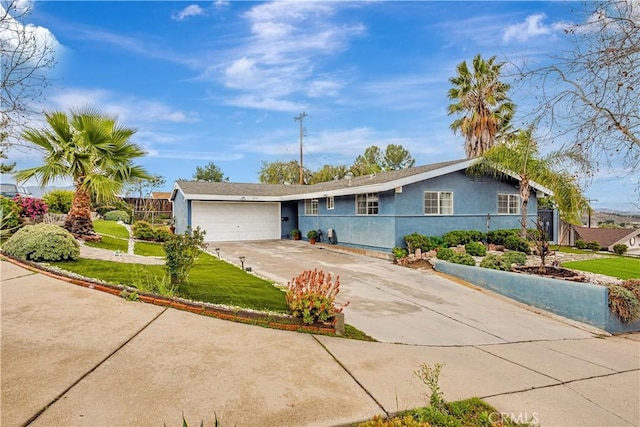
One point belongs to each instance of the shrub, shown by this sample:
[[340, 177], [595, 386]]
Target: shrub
[[494, 262], [444, 253], [620, 249], [514, 257], [117, 216], [399, 252], [43, 242], [143, 230], [516, 243], [418, 241], [311, 296], [162, 234], [182, 252], [594, 245], [581, 244], [9, 214], [633, 285], [475, 249], [30, 206], [497, 237], [59, 201], [462, 237], [623, 303], [464, 259]]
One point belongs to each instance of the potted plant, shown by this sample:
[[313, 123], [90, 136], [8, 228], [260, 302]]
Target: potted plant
[[312, 235], [295, 233]]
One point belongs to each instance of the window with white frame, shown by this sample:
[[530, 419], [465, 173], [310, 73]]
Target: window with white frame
[[367, 204], [330, 203], [508, 204], [311, 207], [438, 203]]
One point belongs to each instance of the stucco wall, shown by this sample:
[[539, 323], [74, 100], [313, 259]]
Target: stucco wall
[[180, 213], [584, 302]]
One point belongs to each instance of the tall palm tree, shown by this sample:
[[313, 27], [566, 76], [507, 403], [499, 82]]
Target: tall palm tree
[[93, 150], [482, 102], [519, 154]]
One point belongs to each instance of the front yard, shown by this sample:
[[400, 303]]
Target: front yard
[[614, 266]]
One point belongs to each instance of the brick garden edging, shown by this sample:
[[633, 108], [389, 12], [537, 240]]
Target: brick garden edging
[[274, 321]]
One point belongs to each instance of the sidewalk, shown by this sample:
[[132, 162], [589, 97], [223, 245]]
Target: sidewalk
[[72, 356]]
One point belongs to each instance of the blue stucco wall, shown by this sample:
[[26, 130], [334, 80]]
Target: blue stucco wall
[[472, 202], [181, 213], [584, 302]]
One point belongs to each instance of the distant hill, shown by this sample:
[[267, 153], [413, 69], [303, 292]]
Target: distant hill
[[623, 219], [39, 192]]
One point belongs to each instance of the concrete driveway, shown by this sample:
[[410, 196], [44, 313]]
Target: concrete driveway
[[401, 305]]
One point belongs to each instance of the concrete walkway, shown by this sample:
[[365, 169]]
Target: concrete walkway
[[72, 356]]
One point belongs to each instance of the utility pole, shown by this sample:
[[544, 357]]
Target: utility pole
[[300, 118]]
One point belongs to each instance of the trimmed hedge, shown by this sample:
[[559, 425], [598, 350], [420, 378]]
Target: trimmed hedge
[[445, 253], [462, 237], [475, 249], [516, 243], [464, 259], [117, 216], [43, 242]]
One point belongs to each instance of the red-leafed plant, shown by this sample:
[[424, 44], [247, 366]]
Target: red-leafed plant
[[311, 296], [30, 206]]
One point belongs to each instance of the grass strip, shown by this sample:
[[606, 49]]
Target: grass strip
[[111, 244], [148, 249], [110, 228], [211, 280], [620, 267]]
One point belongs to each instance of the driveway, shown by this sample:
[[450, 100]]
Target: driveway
[[401, 305]]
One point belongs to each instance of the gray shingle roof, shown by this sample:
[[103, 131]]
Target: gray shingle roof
[[203, 188]]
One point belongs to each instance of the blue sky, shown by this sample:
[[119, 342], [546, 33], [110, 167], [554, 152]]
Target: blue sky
[[221, 81]]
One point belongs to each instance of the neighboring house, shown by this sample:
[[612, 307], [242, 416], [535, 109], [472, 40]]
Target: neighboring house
[[609, 237], [372, 211], [161, 195]]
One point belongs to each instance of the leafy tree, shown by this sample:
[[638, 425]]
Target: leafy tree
[[481, 103], [368, 163], [143, 187], [93, 150], [328, 173], [282, 172], [397, 157], [210, 173], [588, 96], [28, 53], [519, 155]]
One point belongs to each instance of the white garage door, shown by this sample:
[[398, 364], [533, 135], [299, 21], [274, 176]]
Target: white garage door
[[227, 222]]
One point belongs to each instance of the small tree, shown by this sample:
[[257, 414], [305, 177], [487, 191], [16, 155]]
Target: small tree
[[182, 252], [541, 241]]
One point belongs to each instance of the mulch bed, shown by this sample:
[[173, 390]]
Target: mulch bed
[[554, 272]]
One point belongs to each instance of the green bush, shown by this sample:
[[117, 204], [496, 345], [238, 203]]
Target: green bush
[[182, 252], [623, 303], [516, 243], [462, 237], [418, 241], [162, 234], [497, 237], [475, 249], [59, 201], [594, 245], [9, 214], [43, 242], [399, 252], [143, 230], [581, 244], [117, 216], [620, 249], [494, 262], [445, 253], [464, 259], [634, 286], [514, 257]]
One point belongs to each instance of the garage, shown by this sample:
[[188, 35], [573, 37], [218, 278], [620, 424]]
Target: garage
[[237, 221]]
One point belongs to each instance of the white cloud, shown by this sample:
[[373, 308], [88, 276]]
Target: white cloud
[[221, 4], [191, 10], [532, 27], [271, 104], [128, 109]]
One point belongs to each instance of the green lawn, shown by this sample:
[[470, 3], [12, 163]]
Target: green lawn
[[111, 243], [148, 249], [111, 228], [211, 280], [620, 267]]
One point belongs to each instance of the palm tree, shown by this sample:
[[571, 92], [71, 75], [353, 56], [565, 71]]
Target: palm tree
[[93, 150], [519, 154], [482, 101]]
